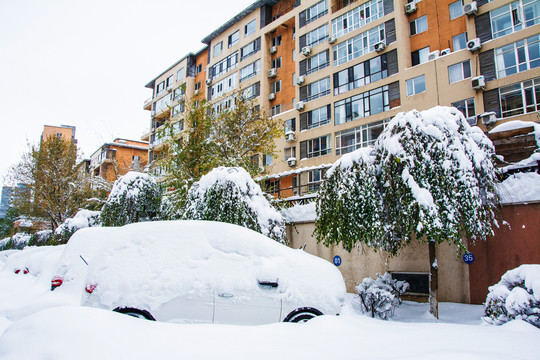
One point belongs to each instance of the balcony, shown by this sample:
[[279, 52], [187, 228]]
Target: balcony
[[340, 4], [148, 104], [105, 156]]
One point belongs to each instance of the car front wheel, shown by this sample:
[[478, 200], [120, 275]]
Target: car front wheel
[[302, 315], [141, 314]]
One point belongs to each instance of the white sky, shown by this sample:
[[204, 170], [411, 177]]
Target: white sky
[[85, 63]]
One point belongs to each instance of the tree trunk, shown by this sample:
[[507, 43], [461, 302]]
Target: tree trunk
[[433, 280]]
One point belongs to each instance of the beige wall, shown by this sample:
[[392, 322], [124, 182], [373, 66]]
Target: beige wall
[[364, 262]]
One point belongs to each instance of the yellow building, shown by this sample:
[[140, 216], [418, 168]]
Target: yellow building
[[64, 131]]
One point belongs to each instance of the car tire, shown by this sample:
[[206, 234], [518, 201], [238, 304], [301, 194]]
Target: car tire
[[302, 315], [141, 314]]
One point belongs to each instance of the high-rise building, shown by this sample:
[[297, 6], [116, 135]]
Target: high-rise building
[[336, 71]]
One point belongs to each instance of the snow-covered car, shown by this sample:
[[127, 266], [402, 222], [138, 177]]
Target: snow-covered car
[[208, 272], [79, 251]]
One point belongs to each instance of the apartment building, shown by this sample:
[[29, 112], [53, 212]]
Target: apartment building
[[116, 158], [62, 131], [336, 71]]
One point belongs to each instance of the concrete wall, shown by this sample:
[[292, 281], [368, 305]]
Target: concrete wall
[[364, 262]]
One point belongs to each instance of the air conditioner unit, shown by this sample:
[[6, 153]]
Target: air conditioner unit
[[289, 136], [208, 81], [291, 162], [470, 8], [488, 118], [300, 80], [474, 44], [306, 50], [271, 96], [433, 55], [380, 46], [273, 49], [272, 72], [410, 8], [478, 82], [300, 106], [445, 52], [332, 39]]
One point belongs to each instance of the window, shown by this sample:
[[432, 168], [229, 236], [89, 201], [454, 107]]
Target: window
[[234, 38], [317, 147], [362, 105], [276, 63], [459, 71], [357, 17], [178, 127], [514, 17], [267, 160], [315, 90], [59, 135], [170, 81], [250, 28], [459, 41], [135, 158], [180, 74], [314, 63], [198, 69], [418, 282], [198, 86], [316, 36], [275, 110], [290, 125], [223, 86], [163, 103], [218, 48], [361, 74], [276, 41], [253, 91], [420, 56], [416, 85], [275, 86], [517, 57], [224, 66], [290, 153], [349, 140], [250, 49], [315, 118], [359, 45], [178, 109], [418, 26], [314, 12], [520, 98], [456, 9], [179, 92], [160, 88], [250, 70], [272, 186], [466, 107], [314, 179]]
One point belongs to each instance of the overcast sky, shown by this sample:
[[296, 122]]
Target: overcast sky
[[85, 63]]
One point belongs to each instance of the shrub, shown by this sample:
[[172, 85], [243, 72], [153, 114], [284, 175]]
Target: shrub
[[381, 296], [516, 296]]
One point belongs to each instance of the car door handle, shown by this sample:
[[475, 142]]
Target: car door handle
[[225, 295]]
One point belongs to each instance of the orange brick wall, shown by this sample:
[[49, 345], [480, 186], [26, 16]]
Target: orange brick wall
[[285, 51]]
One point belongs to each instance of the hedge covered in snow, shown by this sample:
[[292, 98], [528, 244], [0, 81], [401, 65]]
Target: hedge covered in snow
[[516, 296]]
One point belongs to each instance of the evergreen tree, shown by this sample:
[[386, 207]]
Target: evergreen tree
[[135, 197], [230, 195], [436, 181]]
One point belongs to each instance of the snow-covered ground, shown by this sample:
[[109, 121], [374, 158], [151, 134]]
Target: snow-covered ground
[[36, 323]]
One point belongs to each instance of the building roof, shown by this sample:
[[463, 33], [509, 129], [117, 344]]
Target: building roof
[[151, 84], [237, 18]]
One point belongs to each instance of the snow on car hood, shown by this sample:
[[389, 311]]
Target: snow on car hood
[[147, 264]]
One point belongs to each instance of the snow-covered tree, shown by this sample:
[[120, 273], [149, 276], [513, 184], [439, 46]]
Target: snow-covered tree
[[436, 182], [212, 137], [381, 296], [516, 296], [134, 197], [230, 195], [350, 188], [82, 219]]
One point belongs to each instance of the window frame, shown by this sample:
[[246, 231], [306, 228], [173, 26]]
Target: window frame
[[233, 39], [417, 23], [465, 72], [416, 85], [247, 30]]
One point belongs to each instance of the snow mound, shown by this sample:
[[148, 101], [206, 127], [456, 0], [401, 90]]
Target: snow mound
[[144, 265], [299, 213], [520, 187], [516, 296], [83, 219]]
